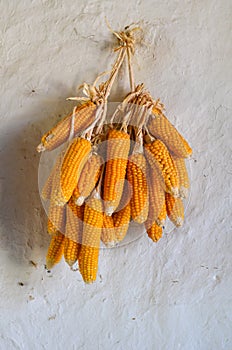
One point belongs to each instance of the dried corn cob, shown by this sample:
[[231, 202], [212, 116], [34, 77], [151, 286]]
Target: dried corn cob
[[175, 209], [84, 116], [71, 251], [121, 220], [136, 175], [56, 214], [162, 216], [118, 147], [122, 216], [188, 149], [158, 157], [47, 189], [154, 232], [157, 206], [46, 192], [92, 228], [108, 231], [160, 127], [74, 222], [73, 232], [88, 178], [55, 250], [56, 219], [183, 176], [51, 229], [126, 196], [73, 163]]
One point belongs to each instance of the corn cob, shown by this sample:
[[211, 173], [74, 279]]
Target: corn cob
[[88, 178], [71, 251], [175, 209], [56, 219], [46, 192], [188, 149], [74, 221], [157, 207], [51, 229], [73, 163], [136, 175], [56, 214], [162, 216], [183, 176], [84, 117], [121, 220], [108, 231], [160, 127], [126, 196], [158, 157], [92, 228], [73, 232], [55, 250], [154, 232], [47, 189], [118, 147]]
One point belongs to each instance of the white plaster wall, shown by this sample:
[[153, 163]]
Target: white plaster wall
[[173, 295]]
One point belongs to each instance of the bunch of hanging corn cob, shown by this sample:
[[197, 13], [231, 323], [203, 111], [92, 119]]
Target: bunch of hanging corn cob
[[140, 175]]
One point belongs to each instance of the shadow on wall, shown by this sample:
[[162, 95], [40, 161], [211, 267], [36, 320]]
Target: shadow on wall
[[23, 219]]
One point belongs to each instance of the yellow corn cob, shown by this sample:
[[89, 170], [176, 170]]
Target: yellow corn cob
[[56, 214], [126, 196], [157, 207], [158, 157], [51, 229], [108, 231], [84, 117], [46, 192], [118, 147], [160, 127], [56, 218], [162, 216], [121, 220], [88, 178], [73, 163], [47, 189], [74, 221], [183, 176], [55, 250], [73, 232], [92, 228], [71, 251], [136, 175], [188, 149], [175, 209], [154, 232]]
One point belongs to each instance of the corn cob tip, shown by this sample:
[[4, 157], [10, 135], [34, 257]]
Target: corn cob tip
[[155, 239], [109, 210], [70, 262], [80, 200], [40, 148], [111, 244], [49, 264], [179, 221], [74, 266], [183, 192], [89, 281], [175, 192], [161, 222], [96, 194]]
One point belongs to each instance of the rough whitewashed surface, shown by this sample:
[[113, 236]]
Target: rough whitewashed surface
[[172, 295]]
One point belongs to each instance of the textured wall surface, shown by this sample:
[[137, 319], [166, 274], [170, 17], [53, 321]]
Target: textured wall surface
[[172, 295]]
